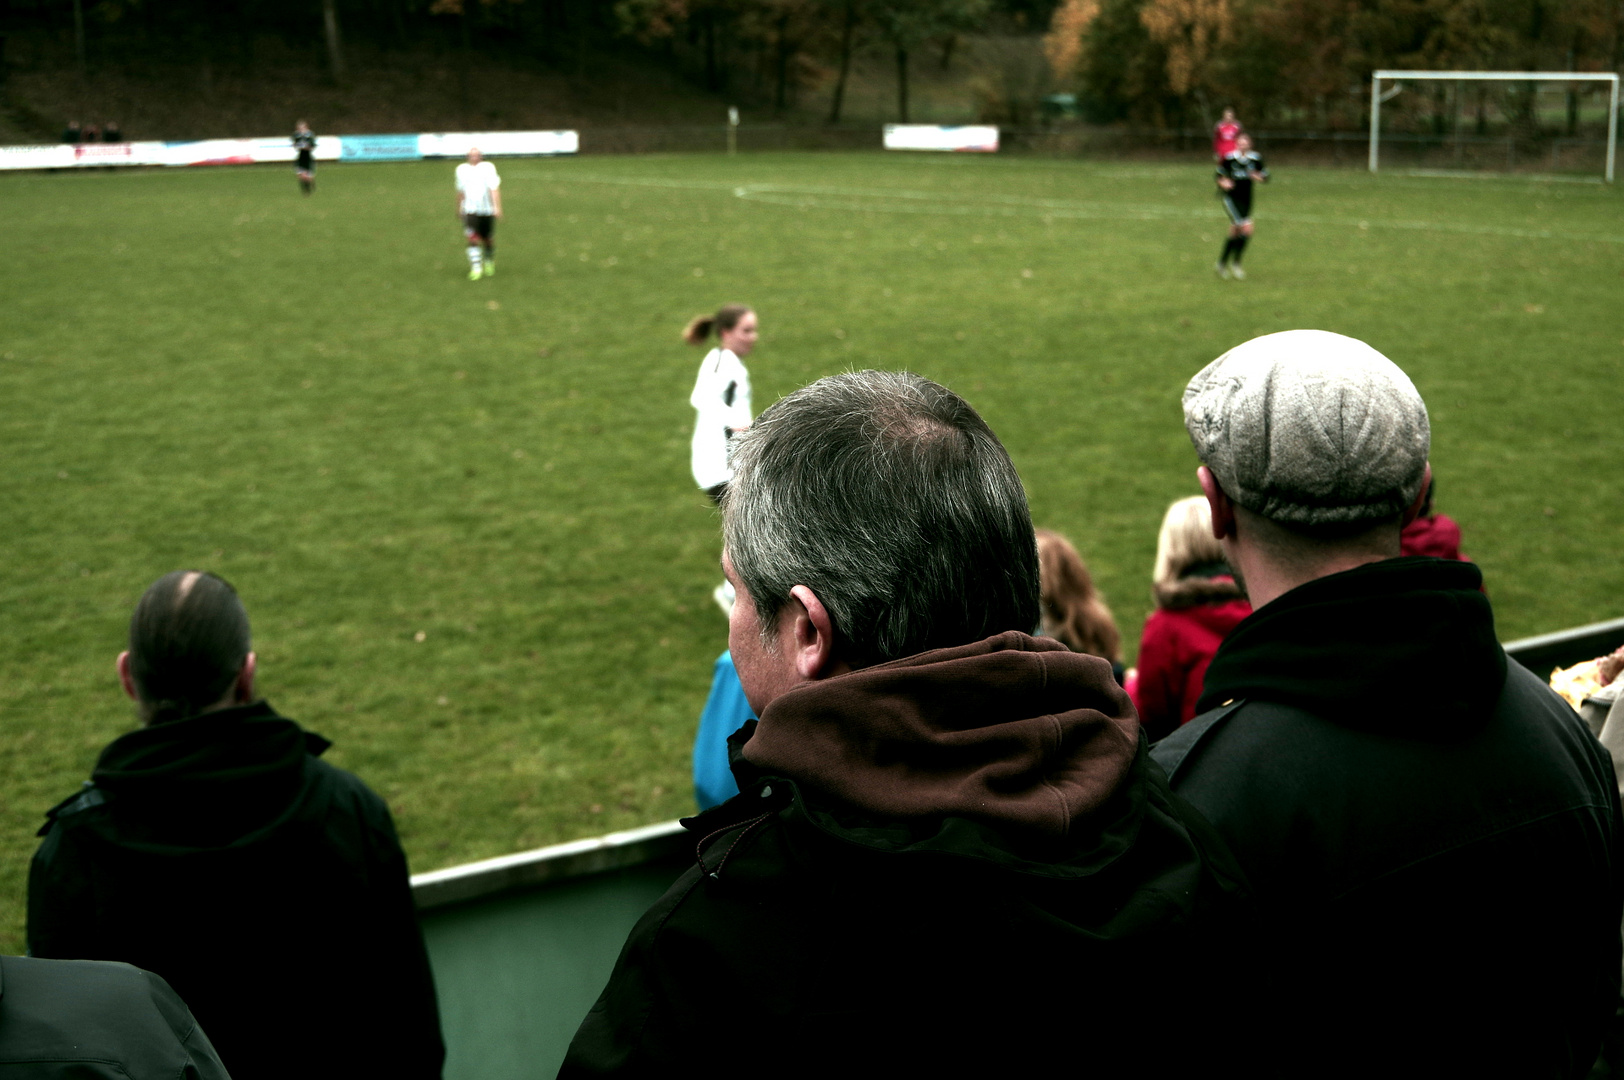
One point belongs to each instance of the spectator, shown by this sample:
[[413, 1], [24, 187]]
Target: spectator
[[1431, 533], [949, 851], [87, 1019], [726, 711], [73, 133], [215, 848], [1432, 834], [1198, 603], [91, 134], [112, 133], [1074, 613]]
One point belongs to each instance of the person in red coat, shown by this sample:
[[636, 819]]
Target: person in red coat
[[1198, 602], [1431, 534]]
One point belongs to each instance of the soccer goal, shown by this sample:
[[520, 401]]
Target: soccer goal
[[1503, 118]]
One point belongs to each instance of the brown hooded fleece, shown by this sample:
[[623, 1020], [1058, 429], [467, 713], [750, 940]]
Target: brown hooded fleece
[[1015, 731], [958, 863]]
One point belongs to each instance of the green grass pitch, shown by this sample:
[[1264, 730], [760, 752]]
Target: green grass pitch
[[460, 513]]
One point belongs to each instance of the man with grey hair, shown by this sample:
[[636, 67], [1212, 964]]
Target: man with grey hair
[[1432, 834], [950, 850]]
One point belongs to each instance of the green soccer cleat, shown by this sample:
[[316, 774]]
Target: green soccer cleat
[[473, 274], [490, 268]]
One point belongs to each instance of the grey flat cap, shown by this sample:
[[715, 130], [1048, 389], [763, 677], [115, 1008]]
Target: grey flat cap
[[1307, 427]]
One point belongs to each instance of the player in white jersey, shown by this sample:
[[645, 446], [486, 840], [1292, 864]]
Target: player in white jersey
[[479, 208], [721, 401]]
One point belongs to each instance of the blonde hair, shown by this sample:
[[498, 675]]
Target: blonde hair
[[1185, 541], [699, 328], [1073, 611]]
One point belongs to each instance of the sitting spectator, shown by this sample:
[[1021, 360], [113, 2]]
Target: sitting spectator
[[215, 848], [1074, 613], [92, 1020], [73, 133], [1432, 835], [949, 852], [1431, 533], [1198, 603], [726, 711], [111, 132]]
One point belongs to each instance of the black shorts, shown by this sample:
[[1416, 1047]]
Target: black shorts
[[306, 162], [479, 225], [1237, 204]]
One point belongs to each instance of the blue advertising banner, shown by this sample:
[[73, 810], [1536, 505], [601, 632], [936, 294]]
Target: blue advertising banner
[[378, 148]]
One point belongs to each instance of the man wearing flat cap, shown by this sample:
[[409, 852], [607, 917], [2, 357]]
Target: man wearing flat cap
[[1433, 835]]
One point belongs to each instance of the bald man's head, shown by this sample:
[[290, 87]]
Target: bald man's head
[[189, 644]]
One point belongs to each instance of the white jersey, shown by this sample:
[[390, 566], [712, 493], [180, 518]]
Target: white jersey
[[478, 184], [722, 398]]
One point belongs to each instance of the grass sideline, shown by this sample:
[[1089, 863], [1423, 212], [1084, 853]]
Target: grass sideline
[[460, 513]]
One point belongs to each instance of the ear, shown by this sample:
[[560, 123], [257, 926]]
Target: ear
[[243, 691], [1414, 510], [125, 679], [810, 636], [1223, 510]]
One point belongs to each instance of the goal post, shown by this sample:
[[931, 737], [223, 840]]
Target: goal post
[[1398, 78]]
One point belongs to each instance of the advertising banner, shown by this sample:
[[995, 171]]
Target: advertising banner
[[498, 143], [970, 138], [58, 156], [379, 148], [274, 148]]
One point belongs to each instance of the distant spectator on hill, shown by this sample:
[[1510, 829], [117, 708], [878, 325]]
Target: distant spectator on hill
[[1432, 533], [1198, 603], [111, 132], [214, 847], [92, 1020], [1074, 613], [73, 133]]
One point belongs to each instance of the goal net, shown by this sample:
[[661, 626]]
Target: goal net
[[1494, 121]]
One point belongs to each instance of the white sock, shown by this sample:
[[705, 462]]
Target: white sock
[[473, 256]]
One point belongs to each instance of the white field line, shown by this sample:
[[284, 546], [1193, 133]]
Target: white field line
[[940, 204]]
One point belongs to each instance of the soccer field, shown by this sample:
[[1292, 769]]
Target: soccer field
[[460, 513]]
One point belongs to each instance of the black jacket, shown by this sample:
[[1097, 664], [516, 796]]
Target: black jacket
[[1432, 834], [1003, 882], [96, 1021], [267, 887]]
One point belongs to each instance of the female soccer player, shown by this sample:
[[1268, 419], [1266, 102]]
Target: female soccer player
[[304, 143], [721, 400], [721, 395]]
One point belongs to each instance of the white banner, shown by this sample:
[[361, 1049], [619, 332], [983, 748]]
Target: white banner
[[975, 138], [498, 143], [279, 148]]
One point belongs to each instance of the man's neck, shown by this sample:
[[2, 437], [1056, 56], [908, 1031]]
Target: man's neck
[[1267, 579]]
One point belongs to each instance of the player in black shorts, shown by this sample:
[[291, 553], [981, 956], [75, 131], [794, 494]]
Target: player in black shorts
[[1236, 174], [304, 141]]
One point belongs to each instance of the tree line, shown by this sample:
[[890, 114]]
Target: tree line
[[1161, 63]]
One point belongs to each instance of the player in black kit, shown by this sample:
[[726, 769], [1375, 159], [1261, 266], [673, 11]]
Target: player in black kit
[[1236, 172], [304, 141]]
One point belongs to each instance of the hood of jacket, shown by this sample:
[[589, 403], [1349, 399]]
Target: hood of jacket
[[1015, 731], [1195, 591], [1405, 646], [208, 781]]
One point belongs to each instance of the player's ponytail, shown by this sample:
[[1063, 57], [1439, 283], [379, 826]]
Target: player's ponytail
[[727, 317]]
